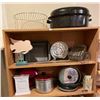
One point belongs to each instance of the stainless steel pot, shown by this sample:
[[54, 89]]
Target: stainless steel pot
[[44, 83]]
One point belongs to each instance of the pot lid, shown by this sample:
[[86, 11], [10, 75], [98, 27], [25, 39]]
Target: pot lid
[[59, 50], [70, 10], [43, 76]]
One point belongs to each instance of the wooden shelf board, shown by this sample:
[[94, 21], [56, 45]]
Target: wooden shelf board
[[52, 64], [98, 80], [75, 28], [56, 92], [54, 29]]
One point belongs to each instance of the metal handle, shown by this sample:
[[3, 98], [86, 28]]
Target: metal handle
[[49, 21], [90, 19]]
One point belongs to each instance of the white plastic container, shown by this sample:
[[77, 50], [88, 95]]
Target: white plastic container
[[87, 82]]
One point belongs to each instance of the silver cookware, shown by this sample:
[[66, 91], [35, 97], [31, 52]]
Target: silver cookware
[[44, 83]]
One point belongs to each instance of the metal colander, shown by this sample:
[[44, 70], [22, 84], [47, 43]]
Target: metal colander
[[30, 20]]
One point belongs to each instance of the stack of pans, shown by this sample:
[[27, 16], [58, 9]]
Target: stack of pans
[[69, 79]]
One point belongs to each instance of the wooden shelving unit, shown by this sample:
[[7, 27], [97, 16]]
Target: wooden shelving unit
[[72, 36]]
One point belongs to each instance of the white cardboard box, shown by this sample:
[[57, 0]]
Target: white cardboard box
[[22, 84]]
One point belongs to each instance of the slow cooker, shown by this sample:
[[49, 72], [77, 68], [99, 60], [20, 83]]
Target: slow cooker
[[69, 17]]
